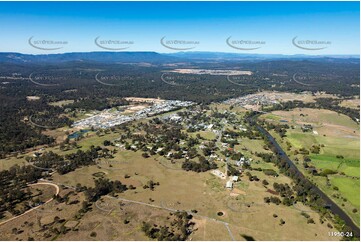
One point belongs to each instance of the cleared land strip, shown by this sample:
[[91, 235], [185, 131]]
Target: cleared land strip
[[32, 209]]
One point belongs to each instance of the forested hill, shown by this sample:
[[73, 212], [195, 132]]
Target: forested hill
[[103, 57]]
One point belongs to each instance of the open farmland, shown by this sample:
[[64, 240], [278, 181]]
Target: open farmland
[[351, 103], [338, 139]]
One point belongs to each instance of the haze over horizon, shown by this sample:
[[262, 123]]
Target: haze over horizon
[[275, 27]]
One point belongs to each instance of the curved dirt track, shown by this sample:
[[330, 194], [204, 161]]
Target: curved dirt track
[[32, 209]]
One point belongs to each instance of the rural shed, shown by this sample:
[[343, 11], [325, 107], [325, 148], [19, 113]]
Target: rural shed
[[229, 184]]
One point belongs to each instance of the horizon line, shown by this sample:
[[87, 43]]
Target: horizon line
[[169, 53]]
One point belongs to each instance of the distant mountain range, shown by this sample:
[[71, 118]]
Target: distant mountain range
[[103, 57], [232, 56], [153, 57]]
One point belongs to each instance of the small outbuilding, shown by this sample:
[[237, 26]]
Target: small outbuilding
[[229, 184]]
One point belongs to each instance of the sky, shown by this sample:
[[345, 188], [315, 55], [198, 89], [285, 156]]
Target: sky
[[314, 28]]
